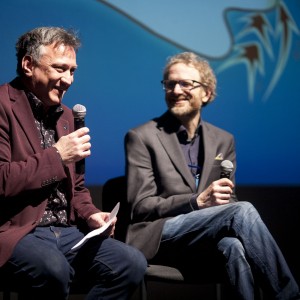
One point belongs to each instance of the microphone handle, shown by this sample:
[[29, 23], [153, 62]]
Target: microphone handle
[[79, 123], [80, 165], [225, 174]]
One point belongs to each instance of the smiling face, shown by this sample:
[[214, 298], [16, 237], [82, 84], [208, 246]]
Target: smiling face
[[51, 77], [185, 102]]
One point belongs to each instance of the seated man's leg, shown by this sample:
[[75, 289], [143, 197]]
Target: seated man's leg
[[112, 269], [39, 268], [237, 267], [241, 221], [262, 252]]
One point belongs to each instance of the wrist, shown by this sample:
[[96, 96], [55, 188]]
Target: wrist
[[57, 151]]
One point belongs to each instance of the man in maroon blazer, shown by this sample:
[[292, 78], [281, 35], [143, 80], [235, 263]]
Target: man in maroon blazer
[[42, 198], [182, 213]]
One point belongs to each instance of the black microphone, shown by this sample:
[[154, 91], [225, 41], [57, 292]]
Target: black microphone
[[226, 169], [79, 112]]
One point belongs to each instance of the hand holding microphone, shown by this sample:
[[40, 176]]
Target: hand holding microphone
[[219, 191], [75, 147]]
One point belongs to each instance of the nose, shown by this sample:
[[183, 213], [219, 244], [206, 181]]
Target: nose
[[177, 88], [67, 78]]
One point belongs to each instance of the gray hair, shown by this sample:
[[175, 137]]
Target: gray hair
[[30, 42]]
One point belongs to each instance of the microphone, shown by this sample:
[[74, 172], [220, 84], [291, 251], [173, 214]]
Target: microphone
[[79, 112], [226, 168]]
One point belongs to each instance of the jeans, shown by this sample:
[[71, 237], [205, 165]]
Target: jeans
[[237, 233], [44, 265]]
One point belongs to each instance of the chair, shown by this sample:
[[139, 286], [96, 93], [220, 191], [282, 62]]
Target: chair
[[114, 190]]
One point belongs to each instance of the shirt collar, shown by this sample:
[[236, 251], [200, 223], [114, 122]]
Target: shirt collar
[[39, 112], [183, 136]]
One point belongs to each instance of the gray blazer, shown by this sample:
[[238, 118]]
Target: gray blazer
[[159, 182]]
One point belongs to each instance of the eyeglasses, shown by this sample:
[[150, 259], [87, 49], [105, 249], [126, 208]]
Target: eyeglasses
[[185, 85]]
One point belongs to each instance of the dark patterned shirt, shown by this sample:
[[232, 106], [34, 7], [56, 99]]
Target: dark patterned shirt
[[57, 206]]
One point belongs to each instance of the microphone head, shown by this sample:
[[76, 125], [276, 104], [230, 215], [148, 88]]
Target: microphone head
[[79, 111], [227, 165]]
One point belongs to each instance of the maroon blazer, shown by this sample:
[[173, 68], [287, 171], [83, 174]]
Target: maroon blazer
[[28, 172]]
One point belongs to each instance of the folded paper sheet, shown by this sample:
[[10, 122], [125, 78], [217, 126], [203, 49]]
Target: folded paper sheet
[[100, 230]]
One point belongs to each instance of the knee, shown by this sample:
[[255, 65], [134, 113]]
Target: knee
[[245, 206], [136, 265], [56, 274], [246, 210], [231, 246]]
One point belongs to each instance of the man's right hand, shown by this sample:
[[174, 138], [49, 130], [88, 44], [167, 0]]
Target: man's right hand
[[74, 146], [218, 193]]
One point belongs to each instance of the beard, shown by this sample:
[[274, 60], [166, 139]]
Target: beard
[[185, 111]]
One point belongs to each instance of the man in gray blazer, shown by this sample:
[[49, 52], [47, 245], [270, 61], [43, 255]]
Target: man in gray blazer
[[182, 213]]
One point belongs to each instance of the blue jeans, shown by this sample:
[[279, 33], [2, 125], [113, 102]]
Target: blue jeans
[[44, 266], [247, 248]]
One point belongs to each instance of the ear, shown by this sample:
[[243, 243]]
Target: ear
[[27, 65], [206, 96]]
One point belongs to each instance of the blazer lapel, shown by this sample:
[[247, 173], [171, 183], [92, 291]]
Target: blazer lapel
[[22, 110], [62, 127], [170, 143], [209, 146], [23, 113]]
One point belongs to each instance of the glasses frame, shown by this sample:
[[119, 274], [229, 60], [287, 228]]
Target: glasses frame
[[180, 84]]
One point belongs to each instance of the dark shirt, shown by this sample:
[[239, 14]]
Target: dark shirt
[[57, 205], [191, 151]]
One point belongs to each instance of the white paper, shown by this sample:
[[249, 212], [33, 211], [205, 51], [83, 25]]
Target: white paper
[[100, 230]]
